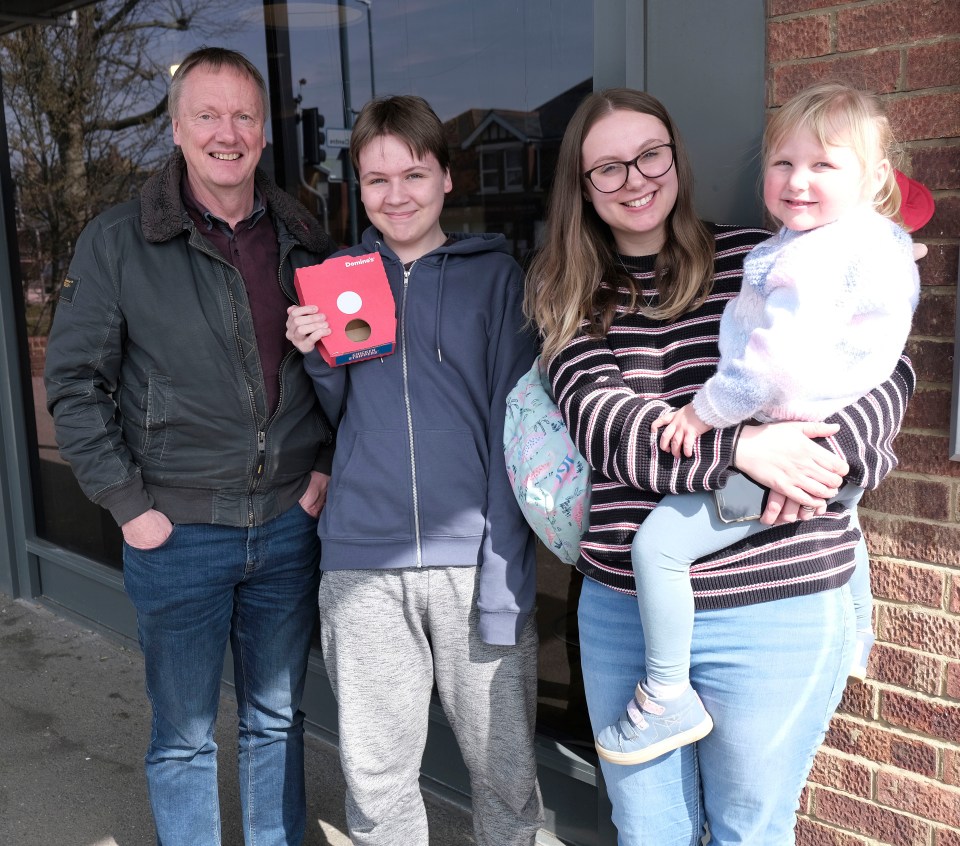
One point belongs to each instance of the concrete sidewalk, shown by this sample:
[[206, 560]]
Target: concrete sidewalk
[[75, 724]]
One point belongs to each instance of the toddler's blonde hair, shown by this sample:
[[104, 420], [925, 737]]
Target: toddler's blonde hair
[[841, 116]]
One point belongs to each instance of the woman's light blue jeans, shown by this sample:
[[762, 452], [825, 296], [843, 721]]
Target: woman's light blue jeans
[[256, 588], [770, 675]]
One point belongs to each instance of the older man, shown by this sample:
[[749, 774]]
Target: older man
[[182, 410]]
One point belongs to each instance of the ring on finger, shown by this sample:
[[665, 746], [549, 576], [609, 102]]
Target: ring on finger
[[807, 508]]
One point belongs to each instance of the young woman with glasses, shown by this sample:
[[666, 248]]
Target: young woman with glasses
[[627, 292]]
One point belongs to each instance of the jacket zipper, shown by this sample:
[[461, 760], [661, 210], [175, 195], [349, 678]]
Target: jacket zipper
[[262, 434], [260, 464], [261, 457], [406, 400]]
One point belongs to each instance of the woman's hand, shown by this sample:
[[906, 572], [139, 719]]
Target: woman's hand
[[782, 457], [305, 327], [780, 509]]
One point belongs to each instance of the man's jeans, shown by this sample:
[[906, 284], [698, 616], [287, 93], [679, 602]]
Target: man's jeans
[[258, 587]]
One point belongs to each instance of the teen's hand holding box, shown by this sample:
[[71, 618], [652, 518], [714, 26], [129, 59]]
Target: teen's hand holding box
[[353, 293]]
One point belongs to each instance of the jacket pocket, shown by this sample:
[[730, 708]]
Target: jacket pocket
[[370, 492], [451, 484], [144, 412], [158, 410]]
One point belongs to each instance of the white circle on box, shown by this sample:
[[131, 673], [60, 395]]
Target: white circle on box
[[349, 302]]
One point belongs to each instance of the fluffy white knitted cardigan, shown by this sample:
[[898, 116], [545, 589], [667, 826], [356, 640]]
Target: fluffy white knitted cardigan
[[821, 318]]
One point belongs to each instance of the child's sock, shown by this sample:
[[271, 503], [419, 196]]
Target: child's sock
[[664, 692], [861, 653]]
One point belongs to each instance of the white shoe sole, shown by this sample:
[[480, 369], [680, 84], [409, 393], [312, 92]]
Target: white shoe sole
[[668, 744]]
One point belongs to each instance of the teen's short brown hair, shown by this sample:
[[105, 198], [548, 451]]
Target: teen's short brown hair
[[407, 117]]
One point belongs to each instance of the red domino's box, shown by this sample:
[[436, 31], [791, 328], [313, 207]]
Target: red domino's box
[[354, 294]]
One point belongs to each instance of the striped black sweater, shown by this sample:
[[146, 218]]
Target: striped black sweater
[[610, 391]]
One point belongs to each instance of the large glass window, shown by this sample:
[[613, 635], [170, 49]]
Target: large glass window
[[85, 114]]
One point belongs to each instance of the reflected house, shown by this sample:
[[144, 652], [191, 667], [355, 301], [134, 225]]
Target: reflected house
[[501, 164]]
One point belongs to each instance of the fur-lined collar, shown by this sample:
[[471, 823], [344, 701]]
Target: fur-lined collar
[[162, 212]]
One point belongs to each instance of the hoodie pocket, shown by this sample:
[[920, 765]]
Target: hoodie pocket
[[451, 484], [370, 493]]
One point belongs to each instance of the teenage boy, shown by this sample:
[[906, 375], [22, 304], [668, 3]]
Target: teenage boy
[[429, 571]]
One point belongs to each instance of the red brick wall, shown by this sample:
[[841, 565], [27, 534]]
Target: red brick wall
[[889, 772]]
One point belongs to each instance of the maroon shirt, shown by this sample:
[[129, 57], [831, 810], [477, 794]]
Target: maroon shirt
[[253, 250]]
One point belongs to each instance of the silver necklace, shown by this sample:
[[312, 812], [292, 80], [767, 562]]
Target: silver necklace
[[647, 299]]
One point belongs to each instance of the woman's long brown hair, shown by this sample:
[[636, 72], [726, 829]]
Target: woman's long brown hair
[[565, 282]]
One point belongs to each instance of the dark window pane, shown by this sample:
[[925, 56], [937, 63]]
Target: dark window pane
[[504, 81]]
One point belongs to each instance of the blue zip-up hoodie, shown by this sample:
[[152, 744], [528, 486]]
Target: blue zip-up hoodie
[[419, 478]]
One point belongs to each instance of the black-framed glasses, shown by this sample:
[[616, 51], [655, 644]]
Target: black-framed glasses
[[612, 176]]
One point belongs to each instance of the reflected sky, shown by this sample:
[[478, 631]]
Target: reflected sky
[[458, 54]]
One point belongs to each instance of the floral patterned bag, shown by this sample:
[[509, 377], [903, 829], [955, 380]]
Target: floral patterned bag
[[549, 477]]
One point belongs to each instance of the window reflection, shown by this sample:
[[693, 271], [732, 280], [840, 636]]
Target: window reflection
[[501, 163], [85, 101], [562, 708], [505, 77]]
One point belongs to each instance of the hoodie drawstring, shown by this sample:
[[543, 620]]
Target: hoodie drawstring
[[443, 269]]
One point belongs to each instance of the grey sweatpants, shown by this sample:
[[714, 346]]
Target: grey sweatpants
[[387, 634]]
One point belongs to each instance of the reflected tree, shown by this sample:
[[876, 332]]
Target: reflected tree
[[85, 102]]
